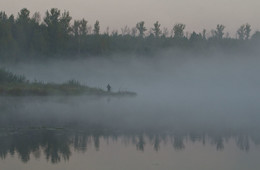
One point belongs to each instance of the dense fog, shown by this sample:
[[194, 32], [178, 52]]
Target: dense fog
[[78, 95], [174, 89], [202, 104]]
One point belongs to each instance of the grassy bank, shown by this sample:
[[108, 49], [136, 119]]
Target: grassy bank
[[16, 85]]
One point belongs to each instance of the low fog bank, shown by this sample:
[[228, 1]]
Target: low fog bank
[[168, 74], [174, 89]]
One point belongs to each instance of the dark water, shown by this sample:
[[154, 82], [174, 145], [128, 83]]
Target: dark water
[[127, 133]]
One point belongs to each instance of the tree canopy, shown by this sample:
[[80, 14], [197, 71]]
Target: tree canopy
[[56, 34]]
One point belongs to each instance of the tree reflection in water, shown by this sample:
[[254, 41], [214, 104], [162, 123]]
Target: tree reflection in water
[[78, 134], [56, 144]]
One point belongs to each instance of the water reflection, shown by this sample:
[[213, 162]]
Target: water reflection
[[56, 128], [56, 144]]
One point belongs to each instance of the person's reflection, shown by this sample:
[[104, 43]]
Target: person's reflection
[[108, 99]]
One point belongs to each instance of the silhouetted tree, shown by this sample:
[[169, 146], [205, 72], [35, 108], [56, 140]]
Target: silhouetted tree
[[52, 17], [244, 32], [96, 28], [65, 23], [23, 29], [219, 32], [204, 34], [76, 32], [23, 16], [247, 31], [157, 31], [241, 32], [178, 30], [7, 41], [83, 28], [51, 20], [75, 28], [141, 28], [195, 37]]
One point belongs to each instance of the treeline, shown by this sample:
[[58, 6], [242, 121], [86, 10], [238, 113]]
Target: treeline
[[56, 35]]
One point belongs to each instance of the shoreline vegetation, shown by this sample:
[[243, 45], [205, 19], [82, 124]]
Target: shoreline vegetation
[[17, 85], [56, 35]]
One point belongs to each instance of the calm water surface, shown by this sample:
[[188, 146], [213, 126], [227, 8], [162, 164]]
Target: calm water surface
[[128, 133]]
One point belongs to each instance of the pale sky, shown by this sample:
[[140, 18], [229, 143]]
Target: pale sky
[[196, 14]]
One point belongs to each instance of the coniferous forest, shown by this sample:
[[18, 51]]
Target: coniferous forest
[[57, 35]]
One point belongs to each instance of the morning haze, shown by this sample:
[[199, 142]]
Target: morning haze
[[75, 97], [196, 14]]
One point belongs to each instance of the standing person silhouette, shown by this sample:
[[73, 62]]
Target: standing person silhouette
[[108, 88]]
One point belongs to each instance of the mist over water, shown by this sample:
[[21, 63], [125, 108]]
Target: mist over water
[[208, 98], [210, 87], [74, 95]]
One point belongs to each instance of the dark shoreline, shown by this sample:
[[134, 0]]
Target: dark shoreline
[[17, 85]]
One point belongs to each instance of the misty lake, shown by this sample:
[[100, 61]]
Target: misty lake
[[129, 85], [190, 116], [123, 133]]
